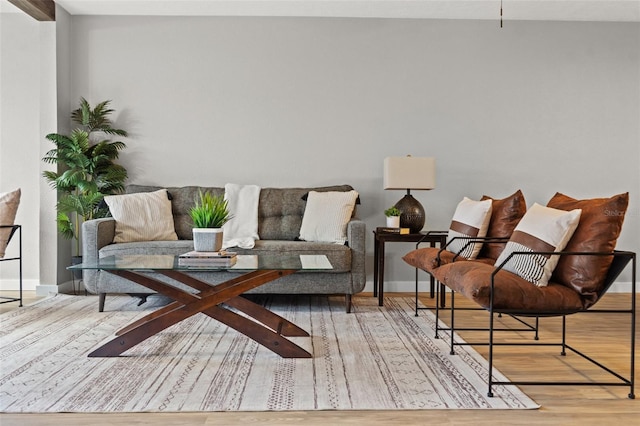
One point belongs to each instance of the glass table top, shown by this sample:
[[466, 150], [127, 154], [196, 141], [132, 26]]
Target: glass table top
[[243, 263]]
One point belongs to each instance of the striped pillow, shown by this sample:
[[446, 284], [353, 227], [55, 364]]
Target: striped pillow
[[144, 216], [471, 219], [326, 216], [542, 229]]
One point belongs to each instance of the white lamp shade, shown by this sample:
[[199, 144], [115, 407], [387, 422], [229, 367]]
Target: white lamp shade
[[409, 172]]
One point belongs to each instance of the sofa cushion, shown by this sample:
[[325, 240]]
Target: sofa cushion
[[541, 229], [326, 216], [599, 228], [9, 202], [505, 215], [471, 219], [182, 199], [280, 210], [142, 217], [473, 280], [176, 247]]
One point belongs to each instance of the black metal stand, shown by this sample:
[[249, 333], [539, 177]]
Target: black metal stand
[[14, 228], [620, 261], [526, 326], [429, 236]]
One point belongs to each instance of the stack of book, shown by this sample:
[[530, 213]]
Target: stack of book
[[388, 230], [208, 259]]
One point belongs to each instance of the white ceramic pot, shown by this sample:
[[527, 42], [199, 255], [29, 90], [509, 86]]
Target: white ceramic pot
[[207, 239], [393, 221]]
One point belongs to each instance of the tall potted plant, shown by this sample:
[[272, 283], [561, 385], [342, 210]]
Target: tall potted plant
[[86, 168], [208, 214]]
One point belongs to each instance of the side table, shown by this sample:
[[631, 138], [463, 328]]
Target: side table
[[381, 238]]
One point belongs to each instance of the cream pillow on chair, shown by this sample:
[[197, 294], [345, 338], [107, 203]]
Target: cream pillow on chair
[[326, 216], [9, 202], [541, 229], [470, 220], [143, 216]]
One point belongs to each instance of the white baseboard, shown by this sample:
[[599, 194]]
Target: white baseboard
[[14, 285], [423, 286], [66, 287], [40, 289], [45, 290]]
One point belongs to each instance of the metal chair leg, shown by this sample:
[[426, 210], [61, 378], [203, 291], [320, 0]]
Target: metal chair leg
[[452, 352]]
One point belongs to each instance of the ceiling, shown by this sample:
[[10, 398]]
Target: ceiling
[[554, 10]]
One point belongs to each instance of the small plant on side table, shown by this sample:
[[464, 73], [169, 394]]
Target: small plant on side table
[[392, 211], [393, 217]]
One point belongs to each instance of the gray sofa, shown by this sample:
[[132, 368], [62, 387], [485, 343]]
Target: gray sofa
[[280, 213]]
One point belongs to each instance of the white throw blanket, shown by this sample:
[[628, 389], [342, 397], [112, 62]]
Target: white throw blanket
[[242, 230]]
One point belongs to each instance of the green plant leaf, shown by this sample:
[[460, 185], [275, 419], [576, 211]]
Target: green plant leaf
[[392, 211], [210, 211], [65, 226], [86, 167]]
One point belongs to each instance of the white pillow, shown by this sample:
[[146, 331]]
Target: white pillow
[[9, 202], [471, 219], [543, 229], [326, 216], [144, 216]]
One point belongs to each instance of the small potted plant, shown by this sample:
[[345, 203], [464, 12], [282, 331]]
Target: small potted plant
[[393, 217], [208, 214]]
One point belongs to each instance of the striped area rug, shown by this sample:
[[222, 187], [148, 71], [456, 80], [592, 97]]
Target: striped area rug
[[381, 358]]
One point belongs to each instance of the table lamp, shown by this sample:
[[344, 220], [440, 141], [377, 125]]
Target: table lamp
[[410, 173]]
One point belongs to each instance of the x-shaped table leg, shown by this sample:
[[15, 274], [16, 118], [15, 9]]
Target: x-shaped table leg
[[208, 301]]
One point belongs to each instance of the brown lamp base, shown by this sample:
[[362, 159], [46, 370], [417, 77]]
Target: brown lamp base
[[412, 213]]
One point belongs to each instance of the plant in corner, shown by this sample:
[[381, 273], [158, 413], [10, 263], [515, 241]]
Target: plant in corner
[[86, 168], [208, 214]]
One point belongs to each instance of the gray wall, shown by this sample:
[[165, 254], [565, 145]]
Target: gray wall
[[27, 112], [537, 106], [540, 106]]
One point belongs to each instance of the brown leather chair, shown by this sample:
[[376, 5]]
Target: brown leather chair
[[587, 268]]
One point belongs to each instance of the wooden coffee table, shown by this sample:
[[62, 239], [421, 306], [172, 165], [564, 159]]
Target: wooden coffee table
[[260, 324]]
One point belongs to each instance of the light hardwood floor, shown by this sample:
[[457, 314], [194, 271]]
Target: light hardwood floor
[[603, 335]]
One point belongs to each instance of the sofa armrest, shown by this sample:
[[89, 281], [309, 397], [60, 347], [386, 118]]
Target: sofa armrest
[[96, 233], [356, 236]]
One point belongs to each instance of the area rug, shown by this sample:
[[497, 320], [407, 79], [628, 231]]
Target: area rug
[[376, 358]]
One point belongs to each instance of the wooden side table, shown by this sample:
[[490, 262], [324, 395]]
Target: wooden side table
[[381, 238]]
